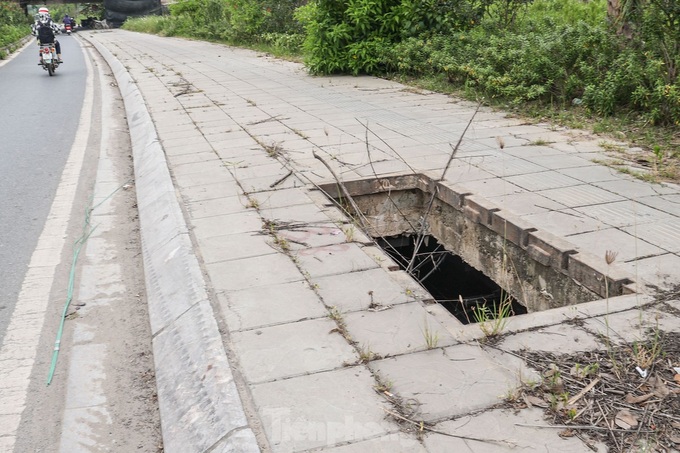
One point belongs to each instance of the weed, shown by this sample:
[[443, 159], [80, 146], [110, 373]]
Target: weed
[[282, 243], [383, 385], [251, 103], [645, 354], [582, 371], [253, 203], [492, 320], [366, 355], [273, 150], [609, 146], [349, 233], [431, 337], [539, 142], [301, 134]]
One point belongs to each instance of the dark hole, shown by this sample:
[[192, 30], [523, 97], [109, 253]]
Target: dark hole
[[448, 279]]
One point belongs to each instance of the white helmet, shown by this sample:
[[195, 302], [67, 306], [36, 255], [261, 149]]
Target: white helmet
[[44, 15]]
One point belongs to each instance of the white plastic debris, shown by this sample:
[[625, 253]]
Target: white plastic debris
[[642, 372]]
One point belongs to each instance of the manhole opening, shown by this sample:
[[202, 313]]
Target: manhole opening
[[540, 270], [464, 291]]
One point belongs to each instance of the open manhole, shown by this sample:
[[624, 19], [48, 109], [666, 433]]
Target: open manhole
[[464, 291], [436, 233]]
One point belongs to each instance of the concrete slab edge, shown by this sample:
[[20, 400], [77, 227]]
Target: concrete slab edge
[[200, 407]]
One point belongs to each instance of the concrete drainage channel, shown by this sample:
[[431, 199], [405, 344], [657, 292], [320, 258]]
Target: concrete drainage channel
[[469, 253]]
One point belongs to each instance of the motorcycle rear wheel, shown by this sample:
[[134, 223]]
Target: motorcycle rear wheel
[[50, 69]]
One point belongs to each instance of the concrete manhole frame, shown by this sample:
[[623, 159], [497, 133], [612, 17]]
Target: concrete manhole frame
[[538, 268]]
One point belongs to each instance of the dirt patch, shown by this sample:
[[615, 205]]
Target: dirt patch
[[626, 396]]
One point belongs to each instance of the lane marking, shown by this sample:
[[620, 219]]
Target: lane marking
[[20, 345]]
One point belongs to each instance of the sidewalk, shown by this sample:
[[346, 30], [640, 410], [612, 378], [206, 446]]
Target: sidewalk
[[263, 295]]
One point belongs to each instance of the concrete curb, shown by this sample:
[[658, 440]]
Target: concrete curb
[[199, 403]]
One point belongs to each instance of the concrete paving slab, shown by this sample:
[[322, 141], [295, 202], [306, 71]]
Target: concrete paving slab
[[334, 259], [559, 162], [357, 290], [502, 431], [508, 166], [492, 187], [217, 206], [281, 198], [542, 181], [183, 159], [444, 383], [279, 352], [392, 443], [623, 213], [211, 191], [218, 225], [583, 195], [526, 203], [667, 203], [565, 222], [664, 234], [660, 271], [626, 245], [635, 189], [592, 174], [214, 175], [303, 237], [266, 183], [252, 272], [562, 338], [321, 410], [526, 151], [300, 214], [235, 246], [270, 305], [633, 325], [400, 329]]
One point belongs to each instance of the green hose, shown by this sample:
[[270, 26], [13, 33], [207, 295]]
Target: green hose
[[87, 231]]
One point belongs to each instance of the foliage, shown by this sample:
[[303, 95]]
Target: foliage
[[13, 25], [11, 14], [550, 52], [351, 35]]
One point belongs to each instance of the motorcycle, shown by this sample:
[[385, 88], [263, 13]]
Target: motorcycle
[[48, 58], [68, 27]]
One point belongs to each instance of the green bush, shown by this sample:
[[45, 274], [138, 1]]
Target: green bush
[[12, 14], [353, 35]]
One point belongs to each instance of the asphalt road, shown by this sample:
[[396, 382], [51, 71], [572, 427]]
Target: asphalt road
[[38, 125]]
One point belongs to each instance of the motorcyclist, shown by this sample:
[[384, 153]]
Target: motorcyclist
[[45, 29]]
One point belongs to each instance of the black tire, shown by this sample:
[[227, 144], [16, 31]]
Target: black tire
[[50, 69]]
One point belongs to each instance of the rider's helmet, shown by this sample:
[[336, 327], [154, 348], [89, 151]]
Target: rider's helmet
[[44, 14]]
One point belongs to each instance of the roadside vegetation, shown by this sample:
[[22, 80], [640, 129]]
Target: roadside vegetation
[[611, 67], [13, 26]]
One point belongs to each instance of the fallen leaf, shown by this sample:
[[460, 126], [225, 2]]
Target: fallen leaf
[[675, 439], [659, 388], [535, 401], [625, 420], [630, 399], [551, 371], [567, 433], [676, 378]]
